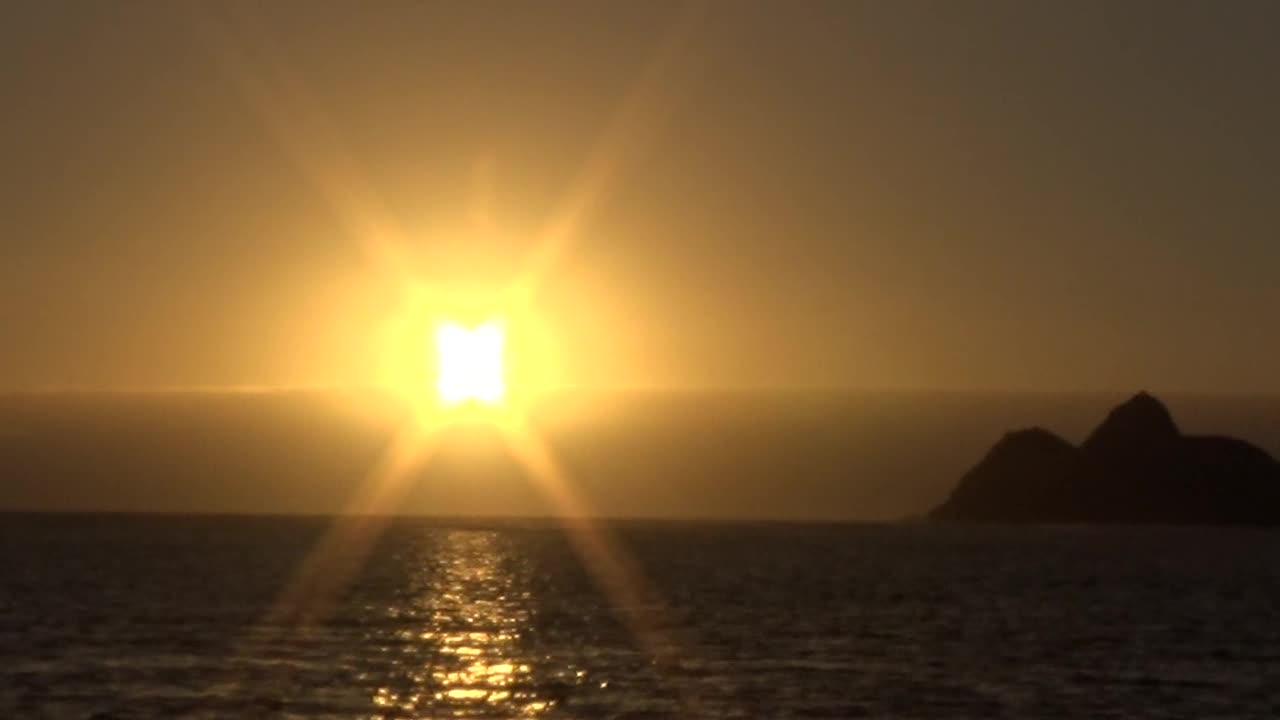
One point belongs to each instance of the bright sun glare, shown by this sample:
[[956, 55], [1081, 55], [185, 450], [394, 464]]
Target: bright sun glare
[[470, 363]]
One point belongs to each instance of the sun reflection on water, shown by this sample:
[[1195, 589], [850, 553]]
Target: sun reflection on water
[[471, 663]]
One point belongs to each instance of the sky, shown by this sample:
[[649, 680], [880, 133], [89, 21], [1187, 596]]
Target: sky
[[955, 195]]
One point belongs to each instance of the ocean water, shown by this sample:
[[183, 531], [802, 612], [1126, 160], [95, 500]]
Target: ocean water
[[150, 616]]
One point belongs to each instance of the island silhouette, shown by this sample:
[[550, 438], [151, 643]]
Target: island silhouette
[[1136, 467]]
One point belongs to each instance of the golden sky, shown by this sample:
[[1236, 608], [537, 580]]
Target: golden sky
[[876, 195]]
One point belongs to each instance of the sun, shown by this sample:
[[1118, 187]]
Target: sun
[[470, 363], [467, 356]]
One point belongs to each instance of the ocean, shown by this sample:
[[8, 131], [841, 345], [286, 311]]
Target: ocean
[[151, 616]]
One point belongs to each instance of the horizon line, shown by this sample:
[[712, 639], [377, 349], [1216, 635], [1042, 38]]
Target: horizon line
[[623, 389], [475, 519]]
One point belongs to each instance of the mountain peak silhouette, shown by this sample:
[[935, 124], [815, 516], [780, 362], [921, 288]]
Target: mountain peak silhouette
[[1136, 467], [1139, 426]]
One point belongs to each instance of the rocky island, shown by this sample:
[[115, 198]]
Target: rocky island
[[1136, 467]]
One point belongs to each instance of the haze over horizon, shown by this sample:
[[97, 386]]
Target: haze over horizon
[[952, 195], [867, 457]]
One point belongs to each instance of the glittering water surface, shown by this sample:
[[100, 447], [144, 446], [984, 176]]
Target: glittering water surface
[[161, 617]]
